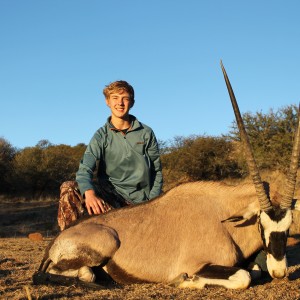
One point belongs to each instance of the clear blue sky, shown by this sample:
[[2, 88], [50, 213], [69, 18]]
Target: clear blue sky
[[57, 55]]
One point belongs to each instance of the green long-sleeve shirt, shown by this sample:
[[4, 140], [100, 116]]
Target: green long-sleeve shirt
[[130, 161]]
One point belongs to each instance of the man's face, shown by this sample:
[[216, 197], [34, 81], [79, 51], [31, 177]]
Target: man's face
[[119, 104]]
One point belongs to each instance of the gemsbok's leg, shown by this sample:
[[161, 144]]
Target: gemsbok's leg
[[84, 273], [79, 248], [228, 277]]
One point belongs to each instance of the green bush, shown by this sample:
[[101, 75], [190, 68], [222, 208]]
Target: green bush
[[40, 170], [7, 154], [271, 136], [202, 158]]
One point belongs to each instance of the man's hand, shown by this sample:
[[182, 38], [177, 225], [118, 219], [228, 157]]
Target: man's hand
[[94, 204]]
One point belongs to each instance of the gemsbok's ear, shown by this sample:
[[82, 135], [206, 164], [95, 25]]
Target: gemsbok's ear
[[245, 214]]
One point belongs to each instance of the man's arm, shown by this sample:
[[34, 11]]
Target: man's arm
[[156, 169], [84, 177]]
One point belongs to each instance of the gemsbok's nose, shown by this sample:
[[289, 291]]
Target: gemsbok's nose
[[279, 274], [277, 268]]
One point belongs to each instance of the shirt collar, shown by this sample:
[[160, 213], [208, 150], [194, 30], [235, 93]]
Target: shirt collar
[[134, 124]]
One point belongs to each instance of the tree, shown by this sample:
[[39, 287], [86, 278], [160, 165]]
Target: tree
[[271, 136], [40, 170], [27, 170], [43, 144], [202, 158], [7, 154]]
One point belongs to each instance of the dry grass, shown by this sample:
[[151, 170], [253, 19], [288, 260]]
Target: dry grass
[[20, 258]]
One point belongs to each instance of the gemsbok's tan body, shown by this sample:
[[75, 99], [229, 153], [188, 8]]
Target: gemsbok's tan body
[[194, 235]]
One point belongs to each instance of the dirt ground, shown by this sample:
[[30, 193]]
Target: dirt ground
[[20, 258]]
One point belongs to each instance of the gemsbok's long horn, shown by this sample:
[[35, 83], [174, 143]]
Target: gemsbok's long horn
[[289, 191], [265, 203]]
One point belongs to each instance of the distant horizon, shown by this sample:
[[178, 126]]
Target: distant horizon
[[168, 142]]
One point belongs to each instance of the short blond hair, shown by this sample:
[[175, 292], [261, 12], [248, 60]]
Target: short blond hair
[[119, 86]]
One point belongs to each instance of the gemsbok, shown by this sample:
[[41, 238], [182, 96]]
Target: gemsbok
[[196, 234]]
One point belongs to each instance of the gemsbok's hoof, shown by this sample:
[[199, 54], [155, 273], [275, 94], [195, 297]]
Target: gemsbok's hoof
[[86, 274], [254, 271], [178, 280]]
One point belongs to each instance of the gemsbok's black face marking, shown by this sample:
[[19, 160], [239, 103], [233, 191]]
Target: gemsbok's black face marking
[[277, 214], [274, 225], [277, 244]]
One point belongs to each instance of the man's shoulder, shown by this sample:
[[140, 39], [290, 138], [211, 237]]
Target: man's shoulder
[[140, 125], [101, 132], [104, 129]]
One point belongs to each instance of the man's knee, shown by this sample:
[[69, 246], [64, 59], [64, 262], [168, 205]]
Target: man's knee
[[70, 204]]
